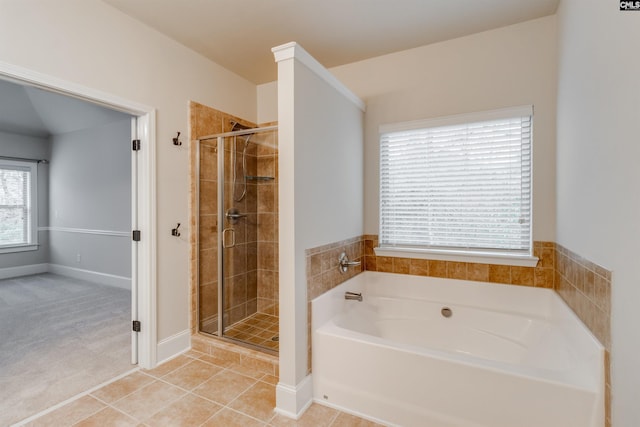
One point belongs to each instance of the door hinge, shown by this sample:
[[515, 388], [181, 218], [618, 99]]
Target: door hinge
[[136, 326], [136, 145], [136, 235]]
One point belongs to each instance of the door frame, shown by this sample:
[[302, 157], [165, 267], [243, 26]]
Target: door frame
[[143, 185]]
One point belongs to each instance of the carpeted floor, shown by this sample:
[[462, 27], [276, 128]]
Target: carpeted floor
[[59, 336]]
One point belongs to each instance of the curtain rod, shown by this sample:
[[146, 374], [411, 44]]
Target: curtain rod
[[43, 161]]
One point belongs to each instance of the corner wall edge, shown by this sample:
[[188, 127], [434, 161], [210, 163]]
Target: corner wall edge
[[293, 50]]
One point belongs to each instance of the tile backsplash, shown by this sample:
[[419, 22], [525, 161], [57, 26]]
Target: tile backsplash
[[540, 276]]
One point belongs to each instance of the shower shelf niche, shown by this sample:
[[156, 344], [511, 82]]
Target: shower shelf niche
[[259, 178]]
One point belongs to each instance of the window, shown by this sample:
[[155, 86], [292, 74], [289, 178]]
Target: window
[[18, 212], [458, 185]]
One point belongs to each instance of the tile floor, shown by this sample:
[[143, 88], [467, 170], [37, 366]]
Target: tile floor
[[259, 329], [195, 389]]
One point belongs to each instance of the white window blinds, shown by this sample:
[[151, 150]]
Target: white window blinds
[[459, 183], [15, 205]]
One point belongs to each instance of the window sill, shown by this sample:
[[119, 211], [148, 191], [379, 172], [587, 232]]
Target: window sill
[[18, 248], [459, 256]]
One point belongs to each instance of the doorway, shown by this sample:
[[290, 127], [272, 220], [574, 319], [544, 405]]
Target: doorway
[[142, 207]]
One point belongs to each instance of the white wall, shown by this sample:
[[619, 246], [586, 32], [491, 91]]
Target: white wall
[[267, 102], [91, 44], [29, 147], [510, 66], [90, 189], [320, 196], [598, 175]]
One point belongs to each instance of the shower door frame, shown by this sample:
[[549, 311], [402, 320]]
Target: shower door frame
[[220, 137]]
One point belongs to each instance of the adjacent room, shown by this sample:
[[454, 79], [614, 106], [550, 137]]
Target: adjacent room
[[65, 248]]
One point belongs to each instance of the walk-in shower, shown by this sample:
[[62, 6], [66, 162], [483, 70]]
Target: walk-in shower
[[238, 236]]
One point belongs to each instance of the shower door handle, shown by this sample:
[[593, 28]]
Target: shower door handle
[[228, 242]]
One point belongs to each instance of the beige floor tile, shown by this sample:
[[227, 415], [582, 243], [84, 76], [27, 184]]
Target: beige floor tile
[[225, 363], [315, 416], [270, 379], [189, 411], [108, 417], [122, 387], [248, 371], [148, 400], [169, 366], [192, 374], [347, 420], [70, 413], [194, 353], [229, 418], [257, 402], [264, 365], [224, 387]]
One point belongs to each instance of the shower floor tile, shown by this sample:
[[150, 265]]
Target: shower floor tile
[[259, 329]]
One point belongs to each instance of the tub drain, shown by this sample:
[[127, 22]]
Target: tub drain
[[446, 312], [276, 338]]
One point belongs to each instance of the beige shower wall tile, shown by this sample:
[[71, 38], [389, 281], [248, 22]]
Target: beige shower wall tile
[[500, 274], [418, 267], [437, 268], [401, 265], [478, 272], [456, 270], [522, 276], [208, 266], [208, 163]]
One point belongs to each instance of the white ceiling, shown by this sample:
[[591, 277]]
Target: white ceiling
[[239, 34], [27, 110]]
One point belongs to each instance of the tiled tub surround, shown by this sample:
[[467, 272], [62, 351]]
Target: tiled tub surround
[[583, 285], [323, 274], [586, 288], [251, 267], [541, 276]]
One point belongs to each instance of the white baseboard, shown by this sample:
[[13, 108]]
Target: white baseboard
[[92, 276], [171, 347], [293, 401], [23, 270]]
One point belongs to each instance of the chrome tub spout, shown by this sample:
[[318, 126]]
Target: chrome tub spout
[[353, 296]]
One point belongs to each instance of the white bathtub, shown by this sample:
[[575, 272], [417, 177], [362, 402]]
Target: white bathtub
[[508, 356]]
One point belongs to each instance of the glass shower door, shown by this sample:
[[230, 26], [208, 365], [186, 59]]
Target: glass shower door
[[238, 232], [248, 238], [237, 288]]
